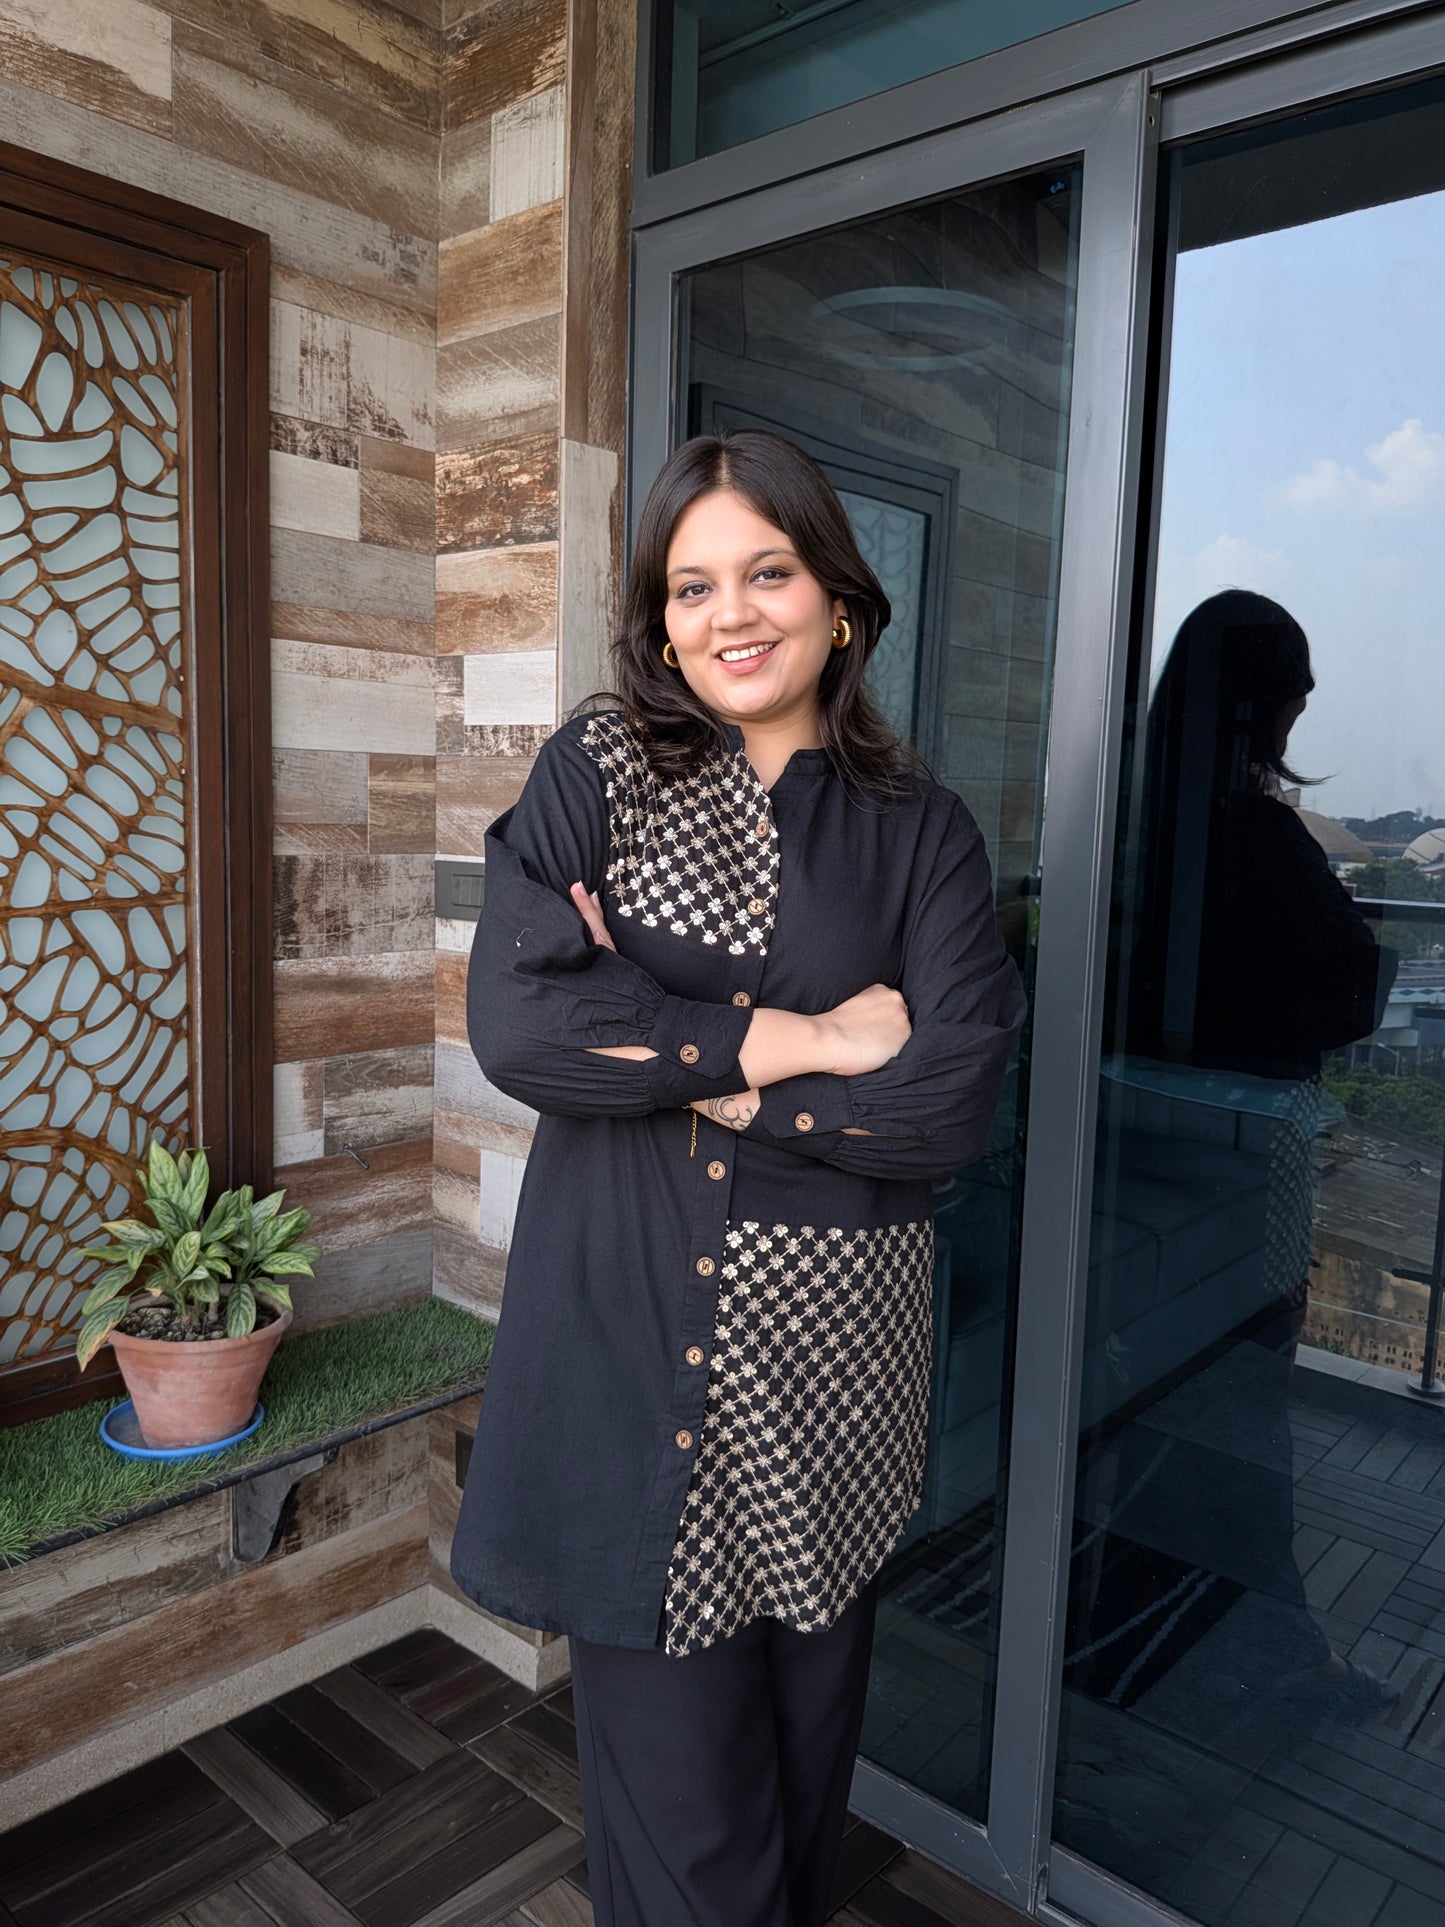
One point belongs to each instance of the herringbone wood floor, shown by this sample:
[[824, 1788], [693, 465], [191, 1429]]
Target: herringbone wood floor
[[416, 1788]]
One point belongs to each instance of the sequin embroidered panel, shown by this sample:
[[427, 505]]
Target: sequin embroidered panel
[[697, 857], [811, 1455]]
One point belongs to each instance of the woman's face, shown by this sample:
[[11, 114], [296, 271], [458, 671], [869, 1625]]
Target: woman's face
[[751, 627]]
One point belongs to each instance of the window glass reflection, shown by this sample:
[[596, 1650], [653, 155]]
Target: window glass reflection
[[730, 70], [1255, 1677], [923, 357]]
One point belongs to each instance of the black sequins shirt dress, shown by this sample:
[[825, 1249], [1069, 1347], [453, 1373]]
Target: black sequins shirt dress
[[708, 1399]]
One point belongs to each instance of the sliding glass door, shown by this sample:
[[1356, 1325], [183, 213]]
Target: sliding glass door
[[1133, 397], [1253, 1699]]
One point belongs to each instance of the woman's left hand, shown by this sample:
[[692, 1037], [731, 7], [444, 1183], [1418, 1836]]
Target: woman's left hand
[[590, 905]]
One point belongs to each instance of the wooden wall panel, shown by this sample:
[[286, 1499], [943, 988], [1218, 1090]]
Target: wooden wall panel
[[498, 53], [234, 103], [502, 598], [71, 1595], [377, 1097], [351, 1206], [383, 53], [531, 418], [352, 906], [497, 276], [110, 56], [401, 807], [333, 243], [332, 1005], [445, 184], [67, 1697], [497, 494]]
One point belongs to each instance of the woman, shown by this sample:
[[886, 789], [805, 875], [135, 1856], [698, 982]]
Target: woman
[[741, 957], [1247, 960]]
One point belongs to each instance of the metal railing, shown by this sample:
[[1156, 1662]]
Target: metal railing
[[1405, 910]]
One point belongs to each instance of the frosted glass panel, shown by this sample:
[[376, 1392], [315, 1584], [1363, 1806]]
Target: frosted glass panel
[[94, 1050]]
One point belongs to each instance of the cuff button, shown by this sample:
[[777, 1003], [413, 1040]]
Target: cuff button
[[741, 999], [803, 1121], [689, 1053]]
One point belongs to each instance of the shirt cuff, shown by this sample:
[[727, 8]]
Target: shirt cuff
[[808, 1106], [697, 1047]]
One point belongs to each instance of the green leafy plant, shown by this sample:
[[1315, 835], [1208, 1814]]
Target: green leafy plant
[[183, 1257]]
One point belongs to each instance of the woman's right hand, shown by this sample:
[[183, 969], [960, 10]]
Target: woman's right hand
[[865, 1032]]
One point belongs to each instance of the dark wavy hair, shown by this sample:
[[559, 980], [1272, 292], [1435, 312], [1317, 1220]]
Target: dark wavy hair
[[1237, 663], [786, 487]]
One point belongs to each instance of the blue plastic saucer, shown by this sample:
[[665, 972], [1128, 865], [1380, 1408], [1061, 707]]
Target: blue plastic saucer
[[122, 1434]]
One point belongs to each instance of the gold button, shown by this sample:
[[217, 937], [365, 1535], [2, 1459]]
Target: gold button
[[764, 827], [742, 999], [804, 1121], [684, 1440], [694, 1354], [717, 1169], [689, 1053], [705, 1267], [756, 907]]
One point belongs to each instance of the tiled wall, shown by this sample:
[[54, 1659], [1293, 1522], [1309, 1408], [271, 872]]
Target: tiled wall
[[321, 127], [447, 380], [530, 376]]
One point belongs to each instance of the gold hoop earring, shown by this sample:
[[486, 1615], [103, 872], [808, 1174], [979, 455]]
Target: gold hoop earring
[[842, 633], [669, 655]]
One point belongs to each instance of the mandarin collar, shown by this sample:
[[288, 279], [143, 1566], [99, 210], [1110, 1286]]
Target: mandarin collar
[[813, 760]]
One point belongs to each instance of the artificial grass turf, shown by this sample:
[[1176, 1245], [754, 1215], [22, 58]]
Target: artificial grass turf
[[57, 1475]]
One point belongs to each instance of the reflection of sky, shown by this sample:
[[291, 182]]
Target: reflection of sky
[[1306, 459]]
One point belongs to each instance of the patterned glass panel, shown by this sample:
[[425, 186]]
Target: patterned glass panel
[[894, 542], [94, 1018]]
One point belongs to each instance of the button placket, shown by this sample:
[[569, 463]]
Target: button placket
[[715, 1167]]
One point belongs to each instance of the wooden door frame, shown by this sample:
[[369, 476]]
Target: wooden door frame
[[221, 271]]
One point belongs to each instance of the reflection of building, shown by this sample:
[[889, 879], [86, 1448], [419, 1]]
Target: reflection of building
[[1343, 848]]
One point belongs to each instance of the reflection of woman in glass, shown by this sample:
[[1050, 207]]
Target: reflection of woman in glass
[[1250, 954], [1248, 961]]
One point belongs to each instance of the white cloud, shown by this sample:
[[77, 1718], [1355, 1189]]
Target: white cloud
[[1408, 471], [1232, 562], [1228, 562]]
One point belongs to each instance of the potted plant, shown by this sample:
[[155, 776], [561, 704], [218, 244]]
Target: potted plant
[[195, 1303]]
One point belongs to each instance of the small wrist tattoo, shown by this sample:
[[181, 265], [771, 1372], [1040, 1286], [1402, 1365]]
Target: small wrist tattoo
[[736, 1113]]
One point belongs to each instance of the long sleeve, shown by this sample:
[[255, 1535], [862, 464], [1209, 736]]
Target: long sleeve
[[928, 1110], [540, 993]]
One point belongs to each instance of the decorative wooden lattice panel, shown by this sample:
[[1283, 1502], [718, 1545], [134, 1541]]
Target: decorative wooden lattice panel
[[94, 1018]]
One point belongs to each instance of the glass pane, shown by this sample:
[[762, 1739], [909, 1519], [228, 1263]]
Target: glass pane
[[729, 70], [1253, 1703], [93, 977], [923, 357]]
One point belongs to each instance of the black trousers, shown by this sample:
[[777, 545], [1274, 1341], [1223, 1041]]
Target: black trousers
[[715, 1787]]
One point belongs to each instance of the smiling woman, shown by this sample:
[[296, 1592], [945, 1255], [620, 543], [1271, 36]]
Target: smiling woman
[[724, 1241]]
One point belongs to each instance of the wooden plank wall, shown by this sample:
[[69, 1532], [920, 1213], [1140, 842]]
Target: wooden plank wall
[[531, 384], [318, 121], [164, 1609], [446, 187]]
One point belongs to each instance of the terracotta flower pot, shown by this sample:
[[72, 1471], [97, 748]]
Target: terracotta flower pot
[[195, 1393]]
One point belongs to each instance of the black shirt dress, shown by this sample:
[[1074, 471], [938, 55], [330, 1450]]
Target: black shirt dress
[[709, 1395]]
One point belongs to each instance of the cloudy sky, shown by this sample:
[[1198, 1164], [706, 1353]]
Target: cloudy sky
[[1305, 458]]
